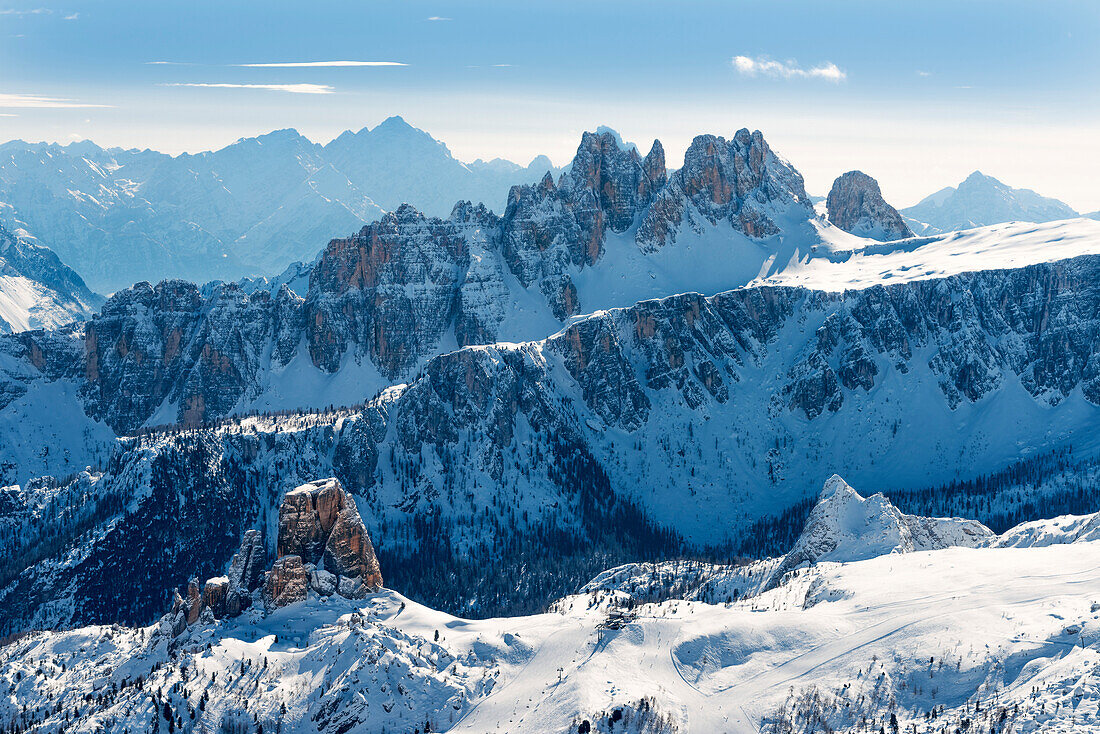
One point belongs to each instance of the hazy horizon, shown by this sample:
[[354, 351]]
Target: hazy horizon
[[904, 92]]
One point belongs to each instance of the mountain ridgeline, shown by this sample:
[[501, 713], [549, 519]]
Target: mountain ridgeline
[[665, 428], [514, 447], [37, 290], [120, 216], [384, 301]]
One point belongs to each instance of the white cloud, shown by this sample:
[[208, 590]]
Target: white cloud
[[40, 11], [7, 114], [438, 17], [37, 100], [312, 64], [924, 73], [762, 66], [292, 88]]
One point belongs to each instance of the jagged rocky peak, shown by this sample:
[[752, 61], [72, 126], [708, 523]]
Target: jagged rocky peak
[[740, 181], [152, 344], [845, 526], [358, 289], [322, 545], [855, 204], [618, 177]]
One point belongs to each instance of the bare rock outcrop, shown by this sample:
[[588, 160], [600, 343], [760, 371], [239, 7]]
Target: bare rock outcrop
[[320, 526], [246, 573], [856, 205], [287, 582], [323, 547]]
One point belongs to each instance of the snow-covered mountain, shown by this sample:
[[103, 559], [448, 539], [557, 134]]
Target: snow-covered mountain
[[498, 415], [675, 423], [37, 290], [981, 200], [997, 639], [845, 526], [399, 164], [121, 216]]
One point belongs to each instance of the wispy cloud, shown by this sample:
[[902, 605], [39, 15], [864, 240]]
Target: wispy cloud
[[314, 64], [37, 100], [292, 88], [7, 114], [762, 66], [40, 11], [923, 73], [438, 18]]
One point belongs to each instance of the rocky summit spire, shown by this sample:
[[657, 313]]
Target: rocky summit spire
[[856, 205]]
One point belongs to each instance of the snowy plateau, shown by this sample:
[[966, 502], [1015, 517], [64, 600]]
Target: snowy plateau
[[570, 467]]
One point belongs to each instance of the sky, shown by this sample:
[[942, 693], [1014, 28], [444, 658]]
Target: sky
[[917, 94]]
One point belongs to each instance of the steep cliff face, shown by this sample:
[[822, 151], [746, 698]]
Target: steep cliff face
[[384, 301], [855, 204], [628, 433], [389, 291], [166, 349], [739, 181]]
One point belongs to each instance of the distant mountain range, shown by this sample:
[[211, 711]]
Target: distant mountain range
[[485, 411], [982, 200], [252, 208], [37, 290]]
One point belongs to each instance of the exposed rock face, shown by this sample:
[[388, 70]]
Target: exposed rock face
[[214, 593], [349, 555], [287, 582], [856, 205], [845, 527], [739, 181], [322, 545], [222, 596], [306, 518], [150, 345], [707, 404], [320, 526], [408, 286], [245, 573], [193, 601], [358, 289]]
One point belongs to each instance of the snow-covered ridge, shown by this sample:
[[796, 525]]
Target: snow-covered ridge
[[994, 247], [844, 527], [37, 290], [982, 200], [998, 639], [698, 416]]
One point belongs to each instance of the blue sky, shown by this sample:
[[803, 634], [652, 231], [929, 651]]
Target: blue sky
[[917, 94]]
